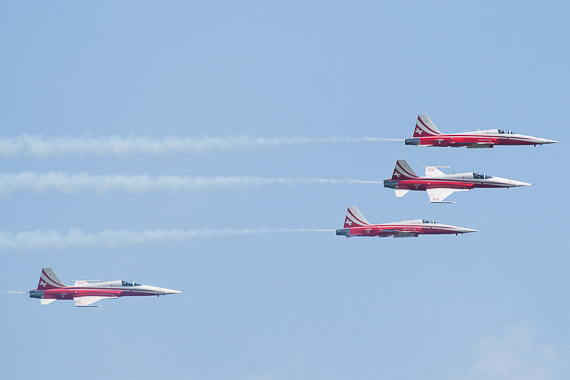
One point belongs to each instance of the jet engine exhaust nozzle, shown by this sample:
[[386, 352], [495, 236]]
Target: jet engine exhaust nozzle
[[36, 294]]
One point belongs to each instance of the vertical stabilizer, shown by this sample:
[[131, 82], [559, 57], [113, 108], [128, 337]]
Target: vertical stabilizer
[[354, 218], [49, 280], [425, 127], [403, 171]]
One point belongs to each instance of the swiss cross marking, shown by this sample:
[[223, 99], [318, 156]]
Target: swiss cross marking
[[42, 283], [418, 131], [348, 221]]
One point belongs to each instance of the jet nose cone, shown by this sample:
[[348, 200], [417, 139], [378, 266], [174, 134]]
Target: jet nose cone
[[169, 291], [547, 141], [467, 230], [513, 183], [520, 183]]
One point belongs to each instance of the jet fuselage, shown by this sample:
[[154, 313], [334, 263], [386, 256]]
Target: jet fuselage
[[85, 293], [427, 134], [479, 139], [439, 185], [411, 228], [356, 225], [102, 289], [453, 181]]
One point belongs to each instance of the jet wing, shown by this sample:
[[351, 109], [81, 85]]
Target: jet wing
[[406, 234], [387, 232], [86, 301], [489, 144], [437, 195], [432, 171], [398, 232]]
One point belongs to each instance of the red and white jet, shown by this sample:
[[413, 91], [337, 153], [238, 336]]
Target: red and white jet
[[86, 292], [427, 134], [439, 185], [356, 225]]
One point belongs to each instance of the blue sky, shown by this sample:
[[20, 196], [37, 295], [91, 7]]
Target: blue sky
[[310, 305]]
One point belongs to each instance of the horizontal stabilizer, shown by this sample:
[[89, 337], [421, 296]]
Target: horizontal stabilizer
[[401, 192], [46, 301], [86, 301]]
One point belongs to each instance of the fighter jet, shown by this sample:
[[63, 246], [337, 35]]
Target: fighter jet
[[87, 292], [356, 225], [427, 134], [440, 185]]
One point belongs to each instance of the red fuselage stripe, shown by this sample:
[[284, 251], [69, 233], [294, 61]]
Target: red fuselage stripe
[[446, 140], [73, 292], [379, 230], [427, 183]]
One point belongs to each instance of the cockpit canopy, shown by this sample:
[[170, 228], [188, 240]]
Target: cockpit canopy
[[481, 176], [428, 221], [129, 283], [505, 131]]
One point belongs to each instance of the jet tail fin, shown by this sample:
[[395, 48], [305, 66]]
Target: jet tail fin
[[49, 280], [403, 171], [354, 218], [425, 127]]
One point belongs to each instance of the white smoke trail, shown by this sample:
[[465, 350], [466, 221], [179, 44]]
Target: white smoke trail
[[14, 292], [40, 240], [38, 145], [66, 183]]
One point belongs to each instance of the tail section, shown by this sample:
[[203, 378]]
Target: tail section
[[49, 280], [354, 218], [403, 171], [425, 127]]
